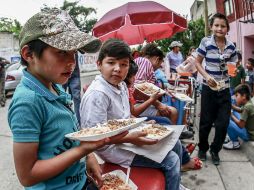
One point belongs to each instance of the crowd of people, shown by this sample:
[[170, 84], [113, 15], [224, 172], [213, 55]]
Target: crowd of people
[[45, 159]]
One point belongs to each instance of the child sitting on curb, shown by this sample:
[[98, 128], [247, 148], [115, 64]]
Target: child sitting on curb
[[107, 98], [241, 125]]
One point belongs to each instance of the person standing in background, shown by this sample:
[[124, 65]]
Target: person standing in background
[[240, 74], [3, 62], [174, 57], [74, 87], [216, 50], [250, 74]]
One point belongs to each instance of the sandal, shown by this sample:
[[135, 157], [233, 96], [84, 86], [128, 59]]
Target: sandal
[[190, 148], [198, 164]]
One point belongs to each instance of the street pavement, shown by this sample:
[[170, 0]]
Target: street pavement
[[235, 171]]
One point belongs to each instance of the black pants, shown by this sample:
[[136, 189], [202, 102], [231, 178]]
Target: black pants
[[215, 110]]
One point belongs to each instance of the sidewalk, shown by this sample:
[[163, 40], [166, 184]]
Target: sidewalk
[[235, 171]]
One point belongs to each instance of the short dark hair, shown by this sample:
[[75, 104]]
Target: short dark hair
[[152, 50], [219, 16], [243, 89], [37, 47], [251, 60], [133, 69], [114, 48]]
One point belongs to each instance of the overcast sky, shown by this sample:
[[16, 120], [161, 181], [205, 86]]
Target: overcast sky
[[24, 9]]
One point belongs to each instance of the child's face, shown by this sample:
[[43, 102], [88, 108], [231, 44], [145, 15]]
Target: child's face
[[240, 99], [219, 27], [54, 66], [156, 62], [249, 66], [114, 70]]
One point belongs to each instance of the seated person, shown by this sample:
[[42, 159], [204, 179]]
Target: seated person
[[241, 125], [187, 162], [151, 61], [107, 98], [147, 65]]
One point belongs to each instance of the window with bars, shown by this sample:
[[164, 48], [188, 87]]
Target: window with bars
[[228, 6]]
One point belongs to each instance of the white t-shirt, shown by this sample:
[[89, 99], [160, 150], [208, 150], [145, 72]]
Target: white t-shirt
[[103, 102]]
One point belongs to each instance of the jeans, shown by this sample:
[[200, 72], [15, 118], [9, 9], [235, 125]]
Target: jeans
[[234, 131], [170, 166], [215, 110]]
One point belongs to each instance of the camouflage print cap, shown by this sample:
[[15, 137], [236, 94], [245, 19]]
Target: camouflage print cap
[[56, 28]]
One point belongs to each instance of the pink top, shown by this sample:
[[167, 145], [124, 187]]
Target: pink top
[[145, 70]]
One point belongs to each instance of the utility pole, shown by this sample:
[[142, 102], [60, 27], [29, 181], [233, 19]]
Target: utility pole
[[206, 18]]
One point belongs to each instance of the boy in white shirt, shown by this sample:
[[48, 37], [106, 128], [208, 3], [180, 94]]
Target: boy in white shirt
[[107, 98]]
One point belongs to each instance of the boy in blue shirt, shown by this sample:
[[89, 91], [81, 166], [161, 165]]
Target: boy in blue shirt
[[40, 113]]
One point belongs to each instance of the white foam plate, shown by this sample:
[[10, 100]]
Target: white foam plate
[[122, 176], [97, 137], [152, 136], [136, 86], [182, 97]]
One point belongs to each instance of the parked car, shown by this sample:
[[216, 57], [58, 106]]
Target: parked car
[[13, 76]]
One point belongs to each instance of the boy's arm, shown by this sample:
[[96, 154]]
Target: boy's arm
[[241, 123], [138, 109], [236, 108], [93, 109], [243, 76], [31, 170]]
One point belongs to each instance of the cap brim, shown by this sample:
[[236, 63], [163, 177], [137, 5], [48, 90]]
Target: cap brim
[[73, 40]]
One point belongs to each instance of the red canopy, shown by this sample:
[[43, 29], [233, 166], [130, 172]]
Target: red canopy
[[135, 22]]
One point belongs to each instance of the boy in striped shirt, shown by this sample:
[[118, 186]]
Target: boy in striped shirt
[[217, 51]]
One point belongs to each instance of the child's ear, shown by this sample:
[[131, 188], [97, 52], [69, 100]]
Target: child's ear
[[26, 53], [99, 65]]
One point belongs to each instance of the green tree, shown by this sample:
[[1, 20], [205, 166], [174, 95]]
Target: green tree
[[80, 15], [190, 37], [9, 25]]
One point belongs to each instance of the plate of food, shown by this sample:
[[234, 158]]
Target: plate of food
[[155, 131], [182, 97], [108, 129], [145, 90], [115, 180], [219, 85]]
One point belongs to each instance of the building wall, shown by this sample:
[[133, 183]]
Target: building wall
[[9, 45], [240, 33], [243, 35]]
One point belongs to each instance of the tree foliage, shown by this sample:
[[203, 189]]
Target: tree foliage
[[190, 37], [9, 25], [80, 15]]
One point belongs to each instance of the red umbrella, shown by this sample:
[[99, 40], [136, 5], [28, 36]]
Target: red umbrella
[[135, 22]]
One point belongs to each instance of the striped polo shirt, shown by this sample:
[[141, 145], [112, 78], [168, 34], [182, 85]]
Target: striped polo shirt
[[215, 59]]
